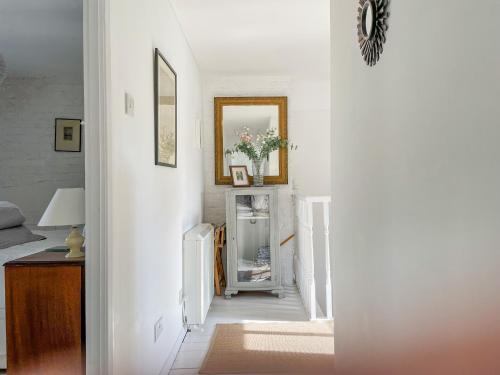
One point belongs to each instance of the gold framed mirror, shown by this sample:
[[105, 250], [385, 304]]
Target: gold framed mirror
[[258, 114]]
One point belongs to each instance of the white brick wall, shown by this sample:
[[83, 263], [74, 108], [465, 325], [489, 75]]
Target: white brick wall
[[30, 169], [309, 166]]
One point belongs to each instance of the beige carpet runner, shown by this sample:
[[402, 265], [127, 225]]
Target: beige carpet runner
[[271, 348]]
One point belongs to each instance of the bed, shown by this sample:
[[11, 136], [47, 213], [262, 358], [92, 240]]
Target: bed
[[53, 238]]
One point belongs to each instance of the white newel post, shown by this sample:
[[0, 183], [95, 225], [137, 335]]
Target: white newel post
[[305, 273], [312, 295], [328, 287]]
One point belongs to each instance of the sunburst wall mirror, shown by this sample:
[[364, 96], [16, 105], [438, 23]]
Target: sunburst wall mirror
[[372, 27]]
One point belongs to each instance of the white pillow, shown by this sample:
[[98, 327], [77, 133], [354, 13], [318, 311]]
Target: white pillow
[[10, 215]]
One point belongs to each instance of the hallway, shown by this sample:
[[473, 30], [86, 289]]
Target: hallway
[[243, 308]]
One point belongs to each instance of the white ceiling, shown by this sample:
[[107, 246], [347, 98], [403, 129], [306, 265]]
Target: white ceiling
[[274, 37], [42, 37]]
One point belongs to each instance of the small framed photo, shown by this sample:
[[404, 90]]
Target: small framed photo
[[68, 135], [239, 174]]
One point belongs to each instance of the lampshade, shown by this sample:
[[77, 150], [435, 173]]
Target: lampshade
[[67, 207]]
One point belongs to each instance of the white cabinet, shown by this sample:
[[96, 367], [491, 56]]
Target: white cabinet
[[253, 240]]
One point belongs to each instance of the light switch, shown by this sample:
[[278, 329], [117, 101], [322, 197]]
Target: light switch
[[129, 104]]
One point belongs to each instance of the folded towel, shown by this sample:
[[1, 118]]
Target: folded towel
[[242, 207], [260, 202], [263, 256]]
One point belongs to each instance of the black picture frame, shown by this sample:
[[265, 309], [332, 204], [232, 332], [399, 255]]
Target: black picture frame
[[160, 59], [57, 123]]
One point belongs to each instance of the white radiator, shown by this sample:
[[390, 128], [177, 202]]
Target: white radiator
[[198, 273]]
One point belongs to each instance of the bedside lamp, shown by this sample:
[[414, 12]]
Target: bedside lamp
[[67, 207]]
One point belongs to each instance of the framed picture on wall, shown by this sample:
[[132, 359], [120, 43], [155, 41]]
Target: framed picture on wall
[[165, 95], [239, 175], [68, 135]]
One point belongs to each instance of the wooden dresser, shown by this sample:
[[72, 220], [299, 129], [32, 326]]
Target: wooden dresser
[[45, 314]]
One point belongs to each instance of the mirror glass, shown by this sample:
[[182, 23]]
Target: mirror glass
[[258, 118], [368, 19], [253, 233]]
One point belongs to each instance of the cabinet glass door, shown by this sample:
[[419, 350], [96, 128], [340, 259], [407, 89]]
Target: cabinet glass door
[[253, 230]]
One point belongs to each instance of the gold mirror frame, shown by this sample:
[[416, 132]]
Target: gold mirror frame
[[219, 104]]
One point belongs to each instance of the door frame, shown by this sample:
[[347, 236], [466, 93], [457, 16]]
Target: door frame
[[98, 311]]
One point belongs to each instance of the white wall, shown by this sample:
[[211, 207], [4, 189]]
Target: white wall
[[151, 206], [30, 169], [416, 187], [308, 127]]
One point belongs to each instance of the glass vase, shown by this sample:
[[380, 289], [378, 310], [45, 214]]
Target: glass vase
[[258, 167]]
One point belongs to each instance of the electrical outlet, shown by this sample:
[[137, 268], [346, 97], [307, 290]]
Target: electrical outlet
[[129, 104], [181, 296], [158, 328]]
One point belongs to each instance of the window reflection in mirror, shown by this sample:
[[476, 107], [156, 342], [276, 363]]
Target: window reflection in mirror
[[258, 118]]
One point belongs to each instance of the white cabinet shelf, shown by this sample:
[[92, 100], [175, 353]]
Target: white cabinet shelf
[[242, 217]]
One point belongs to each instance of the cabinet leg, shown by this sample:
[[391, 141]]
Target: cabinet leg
[[228, 293], [279, 292]]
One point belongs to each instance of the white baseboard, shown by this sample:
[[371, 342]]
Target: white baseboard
[[173, 353], [3, 361]]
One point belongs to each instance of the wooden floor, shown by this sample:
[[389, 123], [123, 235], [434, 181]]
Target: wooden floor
[[245, 307]]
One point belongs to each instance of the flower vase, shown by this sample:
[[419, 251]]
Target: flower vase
[[258, 166]]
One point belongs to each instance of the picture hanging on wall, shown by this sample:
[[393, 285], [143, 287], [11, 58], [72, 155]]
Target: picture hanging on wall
[[372, 28], [68, 135], [165, 97]]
